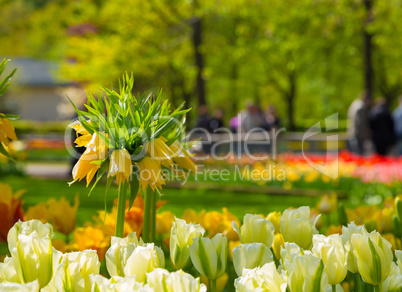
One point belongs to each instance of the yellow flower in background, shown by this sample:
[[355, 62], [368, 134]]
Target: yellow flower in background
[[334, 229], [361, 214], [384, 219], [181, 157], [395, 242], [120, 166], [164, 221], [6, 131], [215, 222], [191, 216], [92, 237], [328, 203], [86, 165], [150, 173], [38, 212], [63, 214], [275, 218], [220, 282], [10, 209]]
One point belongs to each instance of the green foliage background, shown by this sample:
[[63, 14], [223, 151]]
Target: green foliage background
[[253, 50]]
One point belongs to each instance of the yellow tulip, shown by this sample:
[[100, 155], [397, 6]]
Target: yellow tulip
[[39, 212], [92, 237], [120, 166], [334, 255], [62, 214], [275, 218], [278, 243], [164, 222], [384, 219], [374, 257]]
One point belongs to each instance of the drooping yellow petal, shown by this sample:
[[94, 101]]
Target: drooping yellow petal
[[8, 128], [120, 166], [150, 173], [159, 151]]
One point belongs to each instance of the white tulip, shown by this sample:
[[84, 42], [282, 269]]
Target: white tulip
[[250, 256], [255, 229], [346, 239]]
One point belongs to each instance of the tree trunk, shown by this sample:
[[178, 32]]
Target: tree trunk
[[368, 52], [199, 60], [290, 98]]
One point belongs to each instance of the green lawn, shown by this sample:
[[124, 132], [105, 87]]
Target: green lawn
[[38, 190]]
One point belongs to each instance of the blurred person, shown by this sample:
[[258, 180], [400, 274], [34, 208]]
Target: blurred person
[[272, 120], [251, 118], [397, 117], [203, 118], [235, 124], [359, 127], [217, 121], [382, 127]]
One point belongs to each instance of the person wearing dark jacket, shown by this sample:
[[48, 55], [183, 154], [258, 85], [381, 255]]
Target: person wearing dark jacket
[[382, 127]]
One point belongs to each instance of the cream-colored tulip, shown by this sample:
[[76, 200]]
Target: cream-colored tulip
[[289, 253], [16, 287], [255, 229], [297, 227], [114, 284], [374, 256], [7, 271], [346, 236], [30, 245], [334, 255], [307, 274], [209, 256], [250, 256], [73, 272], [394, 281], [265, 278], [181, 238], [179, 281]]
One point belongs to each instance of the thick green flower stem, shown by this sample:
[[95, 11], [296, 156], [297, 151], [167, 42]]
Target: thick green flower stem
[[212, 284], [121, 210], [149, 216], [333, 288], [358, 283]]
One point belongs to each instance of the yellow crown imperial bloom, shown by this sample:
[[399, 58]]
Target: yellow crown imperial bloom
[[120, 166], [150, 173], [181, 157], [6, 131], [85, 137], [159, 151], [96, 150]]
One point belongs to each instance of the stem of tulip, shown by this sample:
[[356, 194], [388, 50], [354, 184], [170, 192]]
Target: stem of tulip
[[121, 210], [214, 286], [333, 288], [358, 282], [377, 288]]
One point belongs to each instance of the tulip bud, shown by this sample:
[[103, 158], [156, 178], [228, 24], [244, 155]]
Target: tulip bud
[[114, 284], [297, 227], [275, 218], [398, 206], [30, 245], [265, 278], [279, 243], [13, 287], [332, 252], [179, 281], [209, 256], [255, 229], [307, 274], [374, 256], [128, 256], [347, 233], [250, 256], [181, 238], [72, 274]]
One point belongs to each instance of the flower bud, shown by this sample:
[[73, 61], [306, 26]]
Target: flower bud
[[297, 227], [250, 256], [255, 229], [31, 249], [374, 257], [347, 233], [209, 256], [307, 274], [128, 256], [332, 252], [181, 238]]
